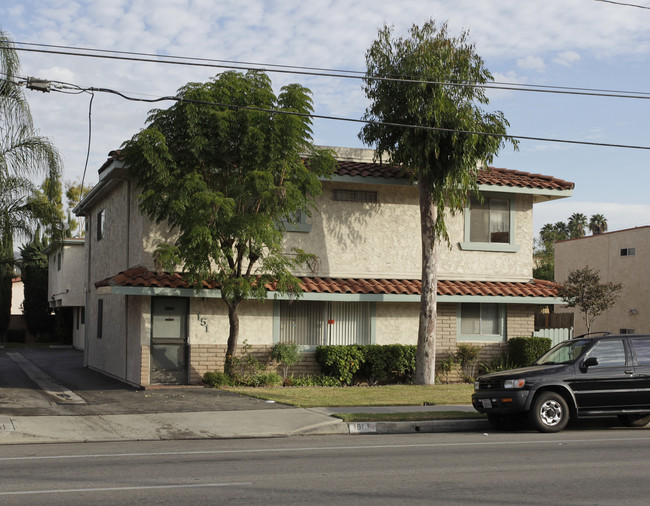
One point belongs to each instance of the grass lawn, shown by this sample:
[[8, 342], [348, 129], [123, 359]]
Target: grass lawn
[[388, 395]]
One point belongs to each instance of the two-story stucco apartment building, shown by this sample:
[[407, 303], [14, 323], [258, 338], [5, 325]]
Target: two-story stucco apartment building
[[619, 257], [146, 327]]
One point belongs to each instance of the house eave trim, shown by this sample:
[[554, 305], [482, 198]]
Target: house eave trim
[[338, 297]]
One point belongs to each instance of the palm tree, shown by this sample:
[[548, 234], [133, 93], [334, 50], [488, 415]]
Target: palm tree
[[597, 224], [23, 154], [577, 224]]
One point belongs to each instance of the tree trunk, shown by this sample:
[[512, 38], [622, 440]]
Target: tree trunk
[[233, 320], [425, 360]]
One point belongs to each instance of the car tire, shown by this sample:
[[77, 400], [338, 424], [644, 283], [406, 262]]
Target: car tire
[[634, 420], [506, 422], [549, 412]]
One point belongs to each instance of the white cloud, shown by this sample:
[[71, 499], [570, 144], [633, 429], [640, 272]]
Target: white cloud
[[567, 58], [531, 63]]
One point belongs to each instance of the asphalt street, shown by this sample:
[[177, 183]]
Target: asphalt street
[[586, 467]]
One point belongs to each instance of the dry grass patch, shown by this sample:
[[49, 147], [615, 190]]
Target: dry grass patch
[[388, 395]]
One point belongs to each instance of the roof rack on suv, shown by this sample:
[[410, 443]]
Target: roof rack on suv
[[592, 334]]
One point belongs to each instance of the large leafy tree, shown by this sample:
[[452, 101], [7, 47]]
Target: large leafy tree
[[438, 88], [23, 155], [583, 290], [225, 178]]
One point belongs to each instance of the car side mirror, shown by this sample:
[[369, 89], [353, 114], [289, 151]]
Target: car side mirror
[[589, 362]]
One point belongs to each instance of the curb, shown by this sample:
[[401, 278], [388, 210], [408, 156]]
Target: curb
[[425, 427]]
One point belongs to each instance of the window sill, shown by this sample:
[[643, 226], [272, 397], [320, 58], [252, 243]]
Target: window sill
[[298, 227], [489, 246], [480, 339]]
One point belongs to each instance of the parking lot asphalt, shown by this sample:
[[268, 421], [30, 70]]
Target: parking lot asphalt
[[21, 395]]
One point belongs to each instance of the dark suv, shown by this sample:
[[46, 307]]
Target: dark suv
[[584, 377]]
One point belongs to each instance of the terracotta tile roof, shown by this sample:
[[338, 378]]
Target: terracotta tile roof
[[490, 176], [141, 277]]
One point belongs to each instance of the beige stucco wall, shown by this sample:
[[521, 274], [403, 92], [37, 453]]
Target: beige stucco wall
[[208, 322], [382, 240], [602, 252], [67, 287]]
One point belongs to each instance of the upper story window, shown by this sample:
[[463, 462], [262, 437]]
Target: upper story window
[[297, 223], [101, 224], [628, 252], [354, 195], [58, 261], [489, 221], [489, 225]]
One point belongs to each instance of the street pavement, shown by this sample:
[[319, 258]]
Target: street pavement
[[47, 396]]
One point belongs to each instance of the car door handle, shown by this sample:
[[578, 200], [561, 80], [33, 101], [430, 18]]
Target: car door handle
[[629, 372]]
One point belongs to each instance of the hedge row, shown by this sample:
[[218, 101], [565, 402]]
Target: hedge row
[[392, 363], [523, 351]]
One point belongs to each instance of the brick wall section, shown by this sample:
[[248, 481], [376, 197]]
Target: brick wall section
[[145, 365], [210, 357]]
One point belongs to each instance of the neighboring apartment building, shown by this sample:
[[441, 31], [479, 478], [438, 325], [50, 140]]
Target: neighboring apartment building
[[67, 283], [620, 257], [146, 327]]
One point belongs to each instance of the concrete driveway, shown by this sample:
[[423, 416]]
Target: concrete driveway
[[53, 381]]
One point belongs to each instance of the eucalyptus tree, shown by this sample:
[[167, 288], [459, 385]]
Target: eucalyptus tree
[[225, 167], [437, 93]]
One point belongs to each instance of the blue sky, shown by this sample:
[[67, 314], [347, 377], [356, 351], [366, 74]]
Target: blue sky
[[576, 43]]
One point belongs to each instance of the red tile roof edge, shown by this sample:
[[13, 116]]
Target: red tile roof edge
[[491, 175], [141, 277]]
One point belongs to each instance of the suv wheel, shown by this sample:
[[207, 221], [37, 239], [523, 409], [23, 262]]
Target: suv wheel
[[634, 420], [550, 412]]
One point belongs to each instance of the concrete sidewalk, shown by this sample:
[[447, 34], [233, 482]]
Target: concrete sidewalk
[[215, 425], [116, 413]]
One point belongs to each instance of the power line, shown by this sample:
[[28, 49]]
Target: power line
[[623, 4], [320, 72], [379, 123]]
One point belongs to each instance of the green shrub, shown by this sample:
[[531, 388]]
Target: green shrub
[[287, 354], [340, 361], [445, 367], [216, 379], [393, 363], [523, 351], [467, 356], [501, 363], [265, 379]]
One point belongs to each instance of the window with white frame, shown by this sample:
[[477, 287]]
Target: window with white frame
[[628, 252], [481, 322], [316, 323]]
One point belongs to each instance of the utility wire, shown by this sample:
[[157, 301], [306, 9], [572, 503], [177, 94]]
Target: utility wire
[[368, 122], [316, 72], [624, 4]]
